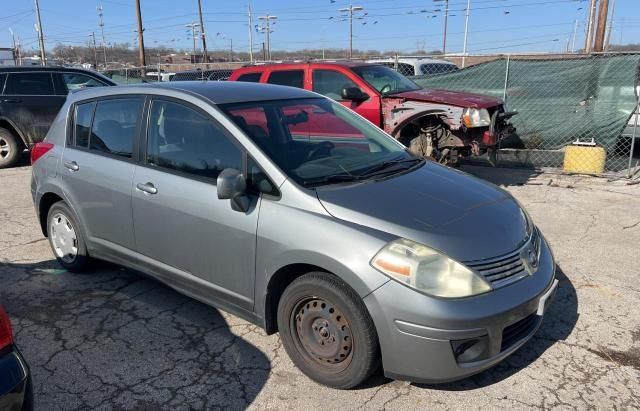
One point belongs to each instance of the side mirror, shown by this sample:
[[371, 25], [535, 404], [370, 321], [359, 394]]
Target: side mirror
[[354, 93], [232, 186]]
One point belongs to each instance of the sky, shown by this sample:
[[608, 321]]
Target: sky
[[495, 26]]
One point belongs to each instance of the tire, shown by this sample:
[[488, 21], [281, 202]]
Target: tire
[[66, 239], [327, 332], [10, 148]]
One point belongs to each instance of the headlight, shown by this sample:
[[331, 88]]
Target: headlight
[[428, 271], [473, 117]]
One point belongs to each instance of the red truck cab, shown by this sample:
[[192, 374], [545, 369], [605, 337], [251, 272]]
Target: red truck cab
[[441, 124]]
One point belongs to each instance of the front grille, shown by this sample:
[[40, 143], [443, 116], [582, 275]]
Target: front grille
[[517, 331], [507, 269], [502, 271]]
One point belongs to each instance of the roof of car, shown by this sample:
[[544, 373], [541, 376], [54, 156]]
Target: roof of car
[[218, 92], [345, 63], [45, 68]]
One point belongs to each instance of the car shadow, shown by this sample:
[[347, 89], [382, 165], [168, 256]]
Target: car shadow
[[503, 176], [559, 321], [115, 338]]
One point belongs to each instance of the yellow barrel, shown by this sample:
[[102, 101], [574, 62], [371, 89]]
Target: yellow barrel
[[584, 159]]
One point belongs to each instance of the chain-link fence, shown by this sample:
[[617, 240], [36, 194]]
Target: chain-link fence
[[574, 111], [172, 72], [560, 99]]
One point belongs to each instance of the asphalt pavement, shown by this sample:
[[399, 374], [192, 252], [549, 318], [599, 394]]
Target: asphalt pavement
[[115, 339]]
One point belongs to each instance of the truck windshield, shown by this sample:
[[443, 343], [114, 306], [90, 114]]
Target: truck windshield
[[385, 80], [317, 141]]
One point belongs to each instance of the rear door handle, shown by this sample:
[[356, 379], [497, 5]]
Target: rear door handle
[[147, 188], [72, 165], [11, 100]]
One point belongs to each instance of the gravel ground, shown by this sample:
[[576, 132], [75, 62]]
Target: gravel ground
[[116, 339]]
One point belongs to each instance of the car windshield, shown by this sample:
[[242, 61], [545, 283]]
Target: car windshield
[[317, 141], [385, 80]]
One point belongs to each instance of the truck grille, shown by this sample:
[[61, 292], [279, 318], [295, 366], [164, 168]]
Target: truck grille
[[510, 268], [517, 331]]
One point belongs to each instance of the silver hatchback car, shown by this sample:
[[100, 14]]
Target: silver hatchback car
[[289, 210]]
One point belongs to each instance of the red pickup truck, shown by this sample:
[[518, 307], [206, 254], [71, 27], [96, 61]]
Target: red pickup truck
[[441, 124]]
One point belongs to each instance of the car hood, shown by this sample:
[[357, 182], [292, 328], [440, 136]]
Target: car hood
[[456, 98], [446, 209]]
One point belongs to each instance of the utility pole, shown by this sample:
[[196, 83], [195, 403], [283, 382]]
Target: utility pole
[[95, 53], [202, 34], [267, 29], [602, 25], [141, 58], [104, 44], [590, 24], [250, 35], [193, 26], [351, 9], [610, 26], [446, 21], [43, 57], [230, 49], [466, 31], [264, 52]]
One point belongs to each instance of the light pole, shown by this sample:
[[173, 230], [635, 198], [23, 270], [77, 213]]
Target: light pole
[[95, 53], [193, 27], [104, 43], [351, 9], [267, 29], [466, 31]]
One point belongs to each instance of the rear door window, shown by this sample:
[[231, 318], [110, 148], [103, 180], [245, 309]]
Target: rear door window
[[250, 77], [114, 126], [3, 77], [291, 78], [29, 84]]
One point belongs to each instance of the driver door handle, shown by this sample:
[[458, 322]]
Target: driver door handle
[[148, 188], [11, 100], [72, 165]]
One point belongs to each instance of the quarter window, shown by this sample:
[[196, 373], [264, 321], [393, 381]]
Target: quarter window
[[330, 83], [29, 84], [185, 140], [291, 78], [250, 77], [114, 126], [82, 128]]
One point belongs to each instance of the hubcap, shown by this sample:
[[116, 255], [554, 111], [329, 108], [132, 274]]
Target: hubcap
[[63, 238], [322, 333], [5, 148]]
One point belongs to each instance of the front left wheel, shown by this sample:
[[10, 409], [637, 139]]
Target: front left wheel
[[65, 238], [327, 331]]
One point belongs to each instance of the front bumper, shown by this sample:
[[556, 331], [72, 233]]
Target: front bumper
[[16, 392], [432, 340]]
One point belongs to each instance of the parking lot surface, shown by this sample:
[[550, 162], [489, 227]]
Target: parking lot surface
[[114, 338]]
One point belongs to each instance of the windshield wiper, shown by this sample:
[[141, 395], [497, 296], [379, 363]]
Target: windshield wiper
[[385, 165], [333, 178]]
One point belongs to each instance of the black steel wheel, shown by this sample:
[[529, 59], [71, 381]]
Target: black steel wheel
[[327, 331]]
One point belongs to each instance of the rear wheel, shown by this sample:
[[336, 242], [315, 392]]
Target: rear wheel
[[327, 331], [65, 238], [10, 148]]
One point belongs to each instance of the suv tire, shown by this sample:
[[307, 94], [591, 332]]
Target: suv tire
[[10, 148], [327, 331], [66, 239]]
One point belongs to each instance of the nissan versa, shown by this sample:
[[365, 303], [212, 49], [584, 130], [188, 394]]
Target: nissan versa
[[285, 208]]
